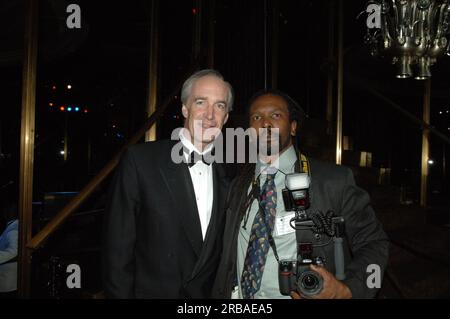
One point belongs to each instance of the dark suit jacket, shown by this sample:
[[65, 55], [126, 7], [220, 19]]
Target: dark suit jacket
[[332, 187], [153, 245]]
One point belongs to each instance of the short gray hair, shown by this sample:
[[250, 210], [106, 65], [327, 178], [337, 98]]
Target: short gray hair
[[187, 86]]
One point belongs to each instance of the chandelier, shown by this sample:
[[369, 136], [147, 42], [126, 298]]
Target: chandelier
[[412, 33]]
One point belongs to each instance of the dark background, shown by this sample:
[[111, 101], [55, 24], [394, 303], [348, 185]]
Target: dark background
[[106, 63]]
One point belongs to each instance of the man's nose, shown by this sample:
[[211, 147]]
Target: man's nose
[[210, 112], [267, 123]]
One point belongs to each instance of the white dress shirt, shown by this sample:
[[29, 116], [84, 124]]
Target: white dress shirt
[[202, 180], [8, 251]]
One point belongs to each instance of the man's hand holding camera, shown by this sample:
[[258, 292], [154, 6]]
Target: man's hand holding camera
[[332, 288]]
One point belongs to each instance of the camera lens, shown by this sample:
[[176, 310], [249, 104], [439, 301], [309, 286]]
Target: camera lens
[[309, 281]]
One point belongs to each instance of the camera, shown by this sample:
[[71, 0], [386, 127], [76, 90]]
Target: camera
[[296, 193], [296, 275]]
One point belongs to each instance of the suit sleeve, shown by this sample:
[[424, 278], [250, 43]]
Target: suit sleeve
[[120, 231], [368, 242]]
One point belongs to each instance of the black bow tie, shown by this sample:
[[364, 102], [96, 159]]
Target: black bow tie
[[195, 157]]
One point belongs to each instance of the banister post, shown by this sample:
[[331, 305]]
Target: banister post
[[27, 145]]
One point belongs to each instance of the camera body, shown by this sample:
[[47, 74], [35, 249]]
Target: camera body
[[296, 193], [296, 275]]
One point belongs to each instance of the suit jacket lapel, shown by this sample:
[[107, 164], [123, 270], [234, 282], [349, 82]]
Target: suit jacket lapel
[[217, 211], [180, 187], [217, 188]]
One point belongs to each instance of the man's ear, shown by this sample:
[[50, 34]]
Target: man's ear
[[184, 111], [293, 128]]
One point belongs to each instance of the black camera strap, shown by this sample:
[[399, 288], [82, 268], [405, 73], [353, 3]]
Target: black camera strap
[[254, 194], [274, 247]]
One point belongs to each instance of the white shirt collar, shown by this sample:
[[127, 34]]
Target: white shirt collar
[[284, 163], [188, 144]]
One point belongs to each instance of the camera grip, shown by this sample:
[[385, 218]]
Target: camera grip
[[339, 258]]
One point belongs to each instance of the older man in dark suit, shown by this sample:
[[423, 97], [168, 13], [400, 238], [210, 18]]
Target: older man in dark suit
[[165, 217], [258, 234]]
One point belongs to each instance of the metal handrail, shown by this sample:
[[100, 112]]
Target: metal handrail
[[84, 194]]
